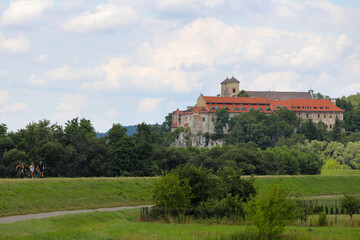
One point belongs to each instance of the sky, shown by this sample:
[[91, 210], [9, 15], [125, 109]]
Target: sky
[[133, 61]]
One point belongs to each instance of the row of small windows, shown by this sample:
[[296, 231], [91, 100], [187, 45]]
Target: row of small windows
[[309, 107], [235, 108], [307, 115]]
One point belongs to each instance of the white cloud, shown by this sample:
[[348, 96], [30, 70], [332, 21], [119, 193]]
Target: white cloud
[[111, 113], [352, 88], [36, 81], [181, 5], [14, 45], [280, 81], [7, 105], [149, 104], [67, 73], [70, 106], [3, 73], [41, 58], [24, 11], [106, 16], [167, 62]]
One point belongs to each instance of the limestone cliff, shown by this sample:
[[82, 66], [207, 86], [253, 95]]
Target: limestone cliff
[[186, 140]]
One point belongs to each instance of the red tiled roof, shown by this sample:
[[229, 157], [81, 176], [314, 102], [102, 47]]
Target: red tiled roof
[[193, 109], [277, 105], [239, 106], [313, 105], [235, 100], [174, 125]]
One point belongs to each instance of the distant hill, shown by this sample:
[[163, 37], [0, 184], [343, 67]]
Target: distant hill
[[130, 131]]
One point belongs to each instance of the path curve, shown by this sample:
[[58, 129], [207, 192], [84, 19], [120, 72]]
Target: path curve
[[18, 218]]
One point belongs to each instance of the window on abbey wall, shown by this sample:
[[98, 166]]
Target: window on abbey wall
[[212, 108], [327, 108], [213, 119], [304, 107], [321, 108], [267, 109], [277, 107], [307, 115], [318, 115], [298, 107], [235, 108], [226, 108], [309, 107], [324, 115], [315, 107], [217, 108], [203, 119], [233, 90], [251, 108], [260, 109], [330, 115], [242, 108]]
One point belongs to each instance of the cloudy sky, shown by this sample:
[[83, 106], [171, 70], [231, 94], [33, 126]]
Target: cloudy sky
[[129, 61]]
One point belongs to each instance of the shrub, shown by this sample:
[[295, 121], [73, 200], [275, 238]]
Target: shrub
[[172, 195], [322, 219], [270, 212], [351, 203]]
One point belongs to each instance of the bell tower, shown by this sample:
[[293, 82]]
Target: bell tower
[[230, 87]]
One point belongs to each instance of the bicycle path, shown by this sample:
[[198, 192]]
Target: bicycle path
[[18, 218]]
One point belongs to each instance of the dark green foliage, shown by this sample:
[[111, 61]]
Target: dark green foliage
[[322, 219], [209, 194], [270, 212], [221, 121], [243, 93], [350, 203]]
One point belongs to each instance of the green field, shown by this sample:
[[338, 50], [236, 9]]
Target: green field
[[312, 185], [25, 196], [124, 225], [339, 172]]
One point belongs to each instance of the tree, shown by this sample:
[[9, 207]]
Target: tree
[[243, 93], [172, 195], [270, 212], [351, 203], [336, 131], [221, 121]]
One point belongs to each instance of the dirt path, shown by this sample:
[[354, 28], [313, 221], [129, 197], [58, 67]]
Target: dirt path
[[18, 218]]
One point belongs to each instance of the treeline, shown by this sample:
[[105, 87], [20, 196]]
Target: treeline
[[75, 151], [258, 144]]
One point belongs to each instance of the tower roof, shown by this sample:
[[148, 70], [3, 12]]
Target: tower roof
[[231, 80]]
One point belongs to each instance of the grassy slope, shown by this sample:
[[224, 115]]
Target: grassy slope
[[43, 195], [123, 225], [313, 185], [53, 194]]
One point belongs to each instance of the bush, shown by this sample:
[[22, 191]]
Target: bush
[[322, 219], [172, 195], [270, 212]]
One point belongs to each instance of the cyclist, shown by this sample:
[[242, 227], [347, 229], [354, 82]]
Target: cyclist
[[40, 168], [31, 169], [20, 170]]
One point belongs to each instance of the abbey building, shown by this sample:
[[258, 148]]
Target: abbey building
[[201, 117]]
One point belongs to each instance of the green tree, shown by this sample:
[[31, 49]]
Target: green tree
[[243, 93], [336, 131], [221, 121], [10, 160], [351, 203], [172, 195], [270, 212]]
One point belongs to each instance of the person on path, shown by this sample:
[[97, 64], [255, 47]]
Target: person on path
[[20, 170], [31, 169], [40, 168]]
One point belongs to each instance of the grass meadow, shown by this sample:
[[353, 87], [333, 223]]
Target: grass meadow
[[24, 196], [125, 225]]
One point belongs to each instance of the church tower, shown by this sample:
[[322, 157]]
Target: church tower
[[230, 87]]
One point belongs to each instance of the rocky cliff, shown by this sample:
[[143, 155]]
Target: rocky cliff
[[186, 140]]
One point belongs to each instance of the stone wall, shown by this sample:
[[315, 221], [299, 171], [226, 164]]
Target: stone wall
[[185, 139]]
